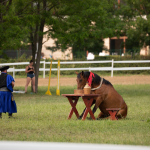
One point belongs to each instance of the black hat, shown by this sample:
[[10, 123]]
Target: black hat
[[4, 68]]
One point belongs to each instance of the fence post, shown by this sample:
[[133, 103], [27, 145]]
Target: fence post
[[58, 79], [13, 72], [44, 69], [112, 65], [89, 69]]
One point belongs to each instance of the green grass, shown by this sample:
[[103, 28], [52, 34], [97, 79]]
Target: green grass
[[44, 118]]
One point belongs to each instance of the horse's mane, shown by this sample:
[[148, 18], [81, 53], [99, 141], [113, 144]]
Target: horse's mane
[[96, 80]]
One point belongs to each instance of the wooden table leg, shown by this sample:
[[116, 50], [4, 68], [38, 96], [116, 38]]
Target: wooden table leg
[[113, 114], [88, 103], [73, 104]]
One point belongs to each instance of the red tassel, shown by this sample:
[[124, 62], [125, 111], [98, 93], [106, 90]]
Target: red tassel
[[90, 78]]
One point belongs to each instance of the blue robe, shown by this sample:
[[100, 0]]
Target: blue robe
[[6, 103]]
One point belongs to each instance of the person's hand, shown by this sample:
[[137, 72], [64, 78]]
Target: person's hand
[[13, 84]]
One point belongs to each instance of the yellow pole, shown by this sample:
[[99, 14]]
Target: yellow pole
[[48, 91], [58, 77]]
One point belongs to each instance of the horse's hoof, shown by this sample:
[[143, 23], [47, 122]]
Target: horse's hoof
[[98, 118], [90, 118], [80, 117]]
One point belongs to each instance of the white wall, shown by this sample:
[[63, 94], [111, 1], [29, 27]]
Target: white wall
[[56, 55]]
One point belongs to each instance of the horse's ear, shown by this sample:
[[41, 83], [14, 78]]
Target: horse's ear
[[82, 73], [76, 73]]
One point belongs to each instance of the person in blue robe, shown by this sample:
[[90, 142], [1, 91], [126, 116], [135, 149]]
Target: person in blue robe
[[7, 102]]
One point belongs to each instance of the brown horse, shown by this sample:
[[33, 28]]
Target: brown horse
[[109, 97]]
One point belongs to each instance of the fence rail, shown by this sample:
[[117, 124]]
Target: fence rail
[[111, 68]]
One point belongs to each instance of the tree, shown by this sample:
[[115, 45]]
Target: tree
[[136, 17], [11, 31], [17, 19], [91, 44], [84, 25], [35, 13], [67, 20]]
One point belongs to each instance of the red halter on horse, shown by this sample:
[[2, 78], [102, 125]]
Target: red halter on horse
[[109, 97]]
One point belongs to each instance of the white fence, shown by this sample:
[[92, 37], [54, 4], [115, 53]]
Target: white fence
[[111, 68]]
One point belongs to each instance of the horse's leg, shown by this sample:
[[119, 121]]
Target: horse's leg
[[97, 104], [94, 109], [122, 113], [85, 109], [82, 113], [101, 115]]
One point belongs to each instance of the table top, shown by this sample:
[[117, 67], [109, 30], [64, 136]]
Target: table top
[[81, 95]]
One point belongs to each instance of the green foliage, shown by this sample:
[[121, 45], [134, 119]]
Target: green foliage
[[84, 24], [91, 44], [11, 28], [44, 118], [136, 19]]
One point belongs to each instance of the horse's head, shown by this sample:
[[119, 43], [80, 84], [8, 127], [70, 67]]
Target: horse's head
[[81, 80]]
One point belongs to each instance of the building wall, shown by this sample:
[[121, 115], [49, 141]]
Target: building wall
[[143, 51], [67, 55], [107, 43]]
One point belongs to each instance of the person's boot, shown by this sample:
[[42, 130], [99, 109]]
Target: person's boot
[[10, 115], [0, 115]]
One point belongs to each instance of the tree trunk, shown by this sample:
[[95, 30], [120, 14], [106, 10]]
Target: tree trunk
[[37, 38], [40, 40], [33, 38]]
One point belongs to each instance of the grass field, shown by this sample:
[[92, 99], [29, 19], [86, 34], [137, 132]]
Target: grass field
[[44, 118]]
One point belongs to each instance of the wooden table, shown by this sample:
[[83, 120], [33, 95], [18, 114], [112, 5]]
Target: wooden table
[[87, 98], [113, 112]]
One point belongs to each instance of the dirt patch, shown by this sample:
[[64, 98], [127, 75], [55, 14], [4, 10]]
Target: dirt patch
[[64, 81]]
